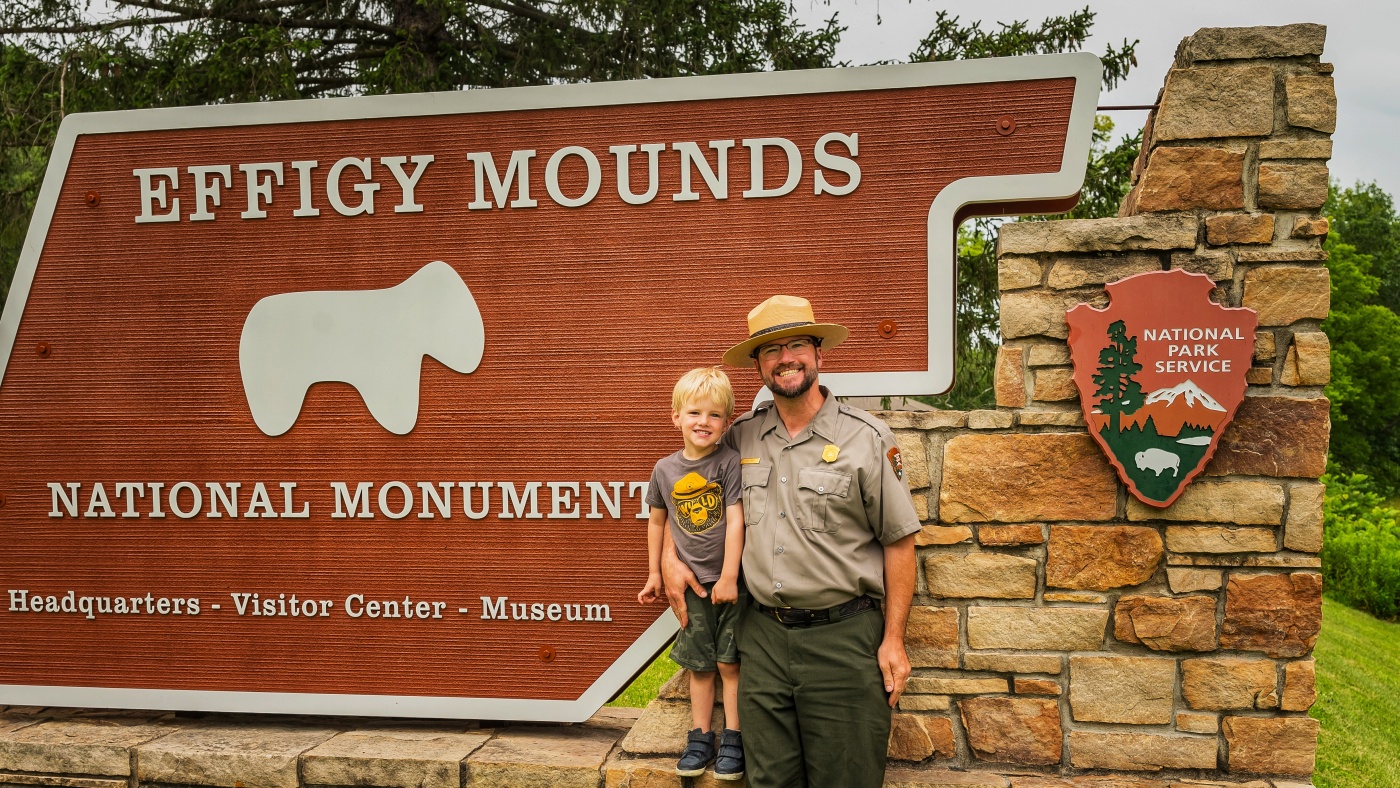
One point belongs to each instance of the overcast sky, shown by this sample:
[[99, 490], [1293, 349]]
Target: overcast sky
[[1361, 42]]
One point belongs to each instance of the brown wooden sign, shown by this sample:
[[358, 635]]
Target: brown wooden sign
[[348, 406]]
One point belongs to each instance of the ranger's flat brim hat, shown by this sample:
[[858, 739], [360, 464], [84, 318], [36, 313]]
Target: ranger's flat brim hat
[[778, 317]]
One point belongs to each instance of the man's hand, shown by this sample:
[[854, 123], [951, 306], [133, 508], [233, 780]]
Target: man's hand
[[894, 664], [677, 576]]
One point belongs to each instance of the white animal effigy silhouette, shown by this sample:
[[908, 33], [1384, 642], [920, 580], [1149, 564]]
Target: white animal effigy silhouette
[[375, 340]]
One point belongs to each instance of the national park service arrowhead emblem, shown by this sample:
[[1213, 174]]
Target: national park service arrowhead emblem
[[1160, 372]]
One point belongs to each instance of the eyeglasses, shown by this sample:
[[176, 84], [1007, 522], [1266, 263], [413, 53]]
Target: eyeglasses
[[795, 346]]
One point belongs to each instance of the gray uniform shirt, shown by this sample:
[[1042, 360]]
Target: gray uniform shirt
[[695, 494], [820, 506]]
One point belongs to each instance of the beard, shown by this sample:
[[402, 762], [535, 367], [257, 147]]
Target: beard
[[791, 387]]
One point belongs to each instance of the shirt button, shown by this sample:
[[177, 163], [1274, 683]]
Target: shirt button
[[780, 549], [782, 514], [783, 479], [821, 489], [777, 585]]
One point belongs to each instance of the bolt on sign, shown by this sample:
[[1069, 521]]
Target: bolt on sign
[[1160, 373], [348, 406]]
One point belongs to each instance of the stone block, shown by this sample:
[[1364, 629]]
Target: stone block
[[1141, 752], [1075, 597], [1192, 722], [942, 535], [1134, 690], [542, 758], [1272, 745], [1080, 271], [989, 419], [1302, 528], [912, 702], [1278, 614], [1026, 478], [1051, 418], [1055, 384], [1256, 560], [1309, 227], [931, 637], [1277, 254], [911, 447], [980, 575], [915, 737], [1296, 186], [1259, 376], [1029, 313], [1247, 43], [1275, 436], [1036, 628], [1010, 382], [622, 772], [1238, 228], [1013, 730], [1166, 623], [76, 746], [1312, 102], [1309, 148], [402, 758], [1183, 581], [1145, 232], [662, 727], [1049, 355], [1229, 683], [896, 777], [1217, 265], [1010, 535], [1024, 686], [942, 685], [237, 756], [1098, 558], [1283, 295], [1299, 685], [921, 510], [1016, 273], [922, 419], [1012, 663], [1243, 503], [1264, 347], [1309, 360], [1184, 179], [1221, 101], [1220, 539]]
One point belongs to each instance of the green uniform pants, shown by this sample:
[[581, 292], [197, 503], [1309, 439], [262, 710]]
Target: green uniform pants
[[812, 702]]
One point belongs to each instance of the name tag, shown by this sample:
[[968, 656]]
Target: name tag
[[748, 460]]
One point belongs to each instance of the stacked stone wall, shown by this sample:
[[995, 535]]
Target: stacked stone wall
[[1063, 634]]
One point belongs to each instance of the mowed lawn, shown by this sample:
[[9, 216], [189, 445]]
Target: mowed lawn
[[1358, 700]]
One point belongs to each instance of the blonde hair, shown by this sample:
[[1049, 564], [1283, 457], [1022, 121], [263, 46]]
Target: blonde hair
[[704, 383]]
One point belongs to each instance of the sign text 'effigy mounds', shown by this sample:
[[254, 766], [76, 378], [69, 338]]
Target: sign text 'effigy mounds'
[[348, 406]]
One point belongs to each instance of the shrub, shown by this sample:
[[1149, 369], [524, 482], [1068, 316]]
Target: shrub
[[1361, 546]]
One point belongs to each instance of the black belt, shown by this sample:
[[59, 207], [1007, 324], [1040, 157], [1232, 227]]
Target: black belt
[[801, 617]]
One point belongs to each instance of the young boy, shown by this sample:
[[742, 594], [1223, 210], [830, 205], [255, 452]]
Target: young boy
[[697, 490]]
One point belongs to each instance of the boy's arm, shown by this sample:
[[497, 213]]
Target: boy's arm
[[727, 588], [656, 526]]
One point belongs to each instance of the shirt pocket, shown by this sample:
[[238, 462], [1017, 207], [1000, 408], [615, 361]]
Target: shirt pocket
[[821, 489], [755, 495]]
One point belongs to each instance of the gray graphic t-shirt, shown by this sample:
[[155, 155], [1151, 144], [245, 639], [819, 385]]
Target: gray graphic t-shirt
[[695, 494]]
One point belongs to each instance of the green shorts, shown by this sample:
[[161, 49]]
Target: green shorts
[[709, 638]]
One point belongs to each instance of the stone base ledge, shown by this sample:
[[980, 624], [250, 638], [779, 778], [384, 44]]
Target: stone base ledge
[[68, 748]]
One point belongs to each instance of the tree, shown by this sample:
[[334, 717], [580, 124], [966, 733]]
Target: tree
[[1118, 390], [1364, 216]]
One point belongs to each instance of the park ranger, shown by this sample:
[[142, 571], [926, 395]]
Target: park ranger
[[829, 563]]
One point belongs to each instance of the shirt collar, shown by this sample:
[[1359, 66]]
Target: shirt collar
[[823, 424]]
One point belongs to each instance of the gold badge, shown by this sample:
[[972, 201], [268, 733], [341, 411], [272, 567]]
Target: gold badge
[[748, 460], [830, 452]]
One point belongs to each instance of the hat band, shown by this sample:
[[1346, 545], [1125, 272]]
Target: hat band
[[779, 327]]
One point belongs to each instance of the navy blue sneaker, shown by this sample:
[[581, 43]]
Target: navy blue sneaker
[[699, 751], [729, 763]]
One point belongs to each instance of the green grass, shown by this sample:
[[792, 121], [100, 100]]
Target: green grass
[[641, 691], [1358, 700]]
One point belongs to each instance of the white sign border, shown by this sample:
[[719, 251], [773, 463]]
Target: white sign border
[[1084, 68]]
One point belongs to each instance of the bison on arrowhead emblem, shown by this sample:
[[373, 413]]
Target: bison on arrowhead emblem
[[1160, 372]]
